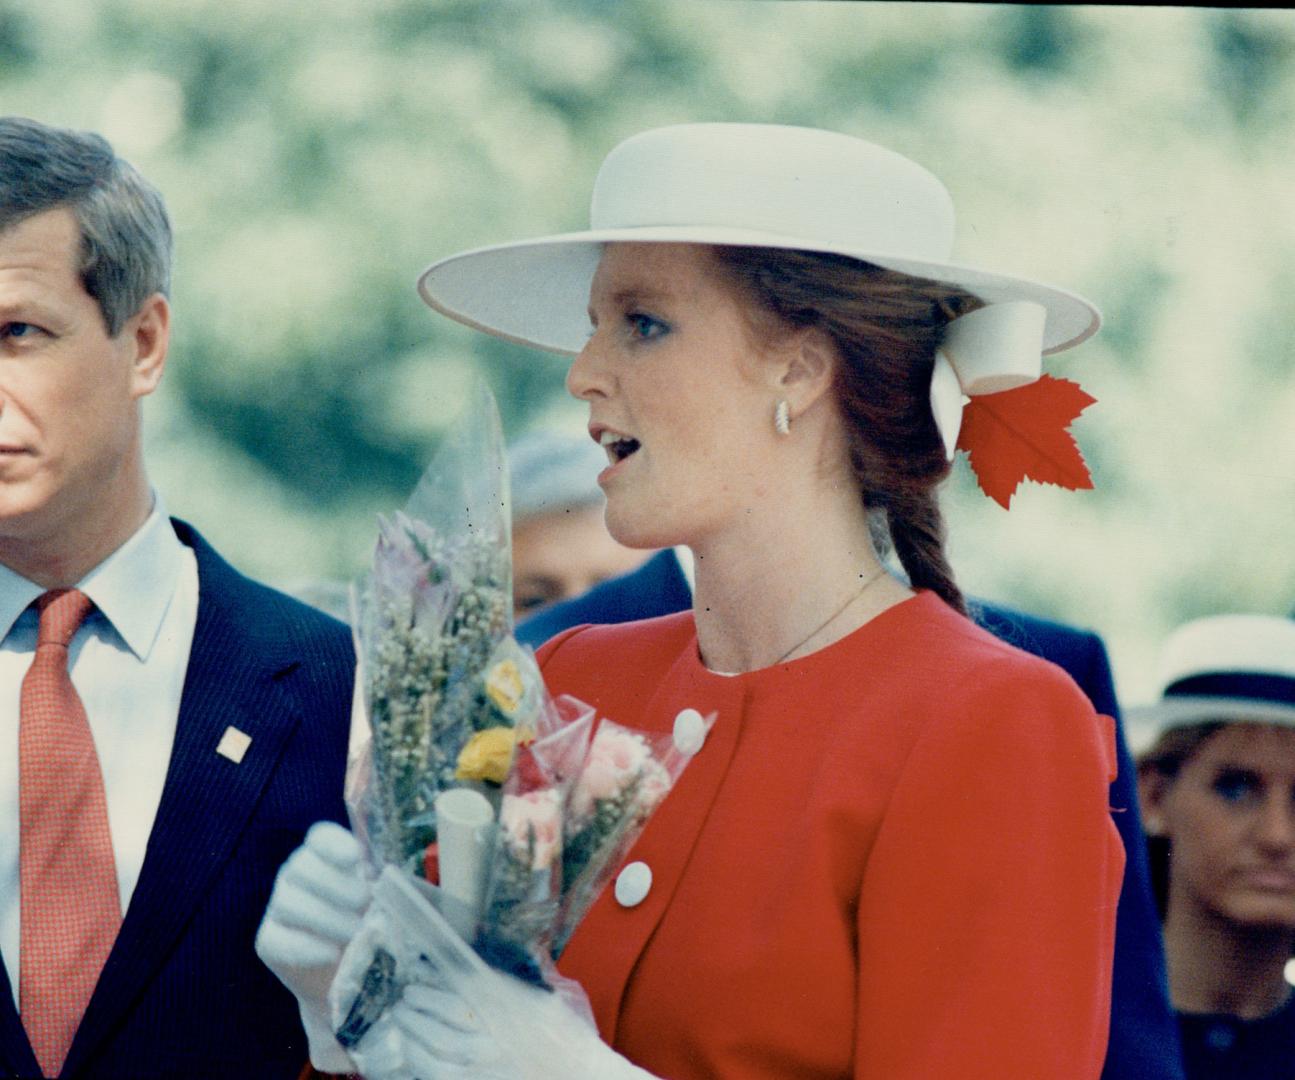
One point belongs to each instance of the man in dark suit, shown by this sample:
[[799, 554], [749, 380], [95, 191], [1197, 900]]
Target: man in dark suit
[[1144, 1039], [170, 728]]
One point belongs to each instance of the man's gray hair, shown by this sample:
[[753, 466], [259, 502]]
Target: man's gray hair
[[125, 233]]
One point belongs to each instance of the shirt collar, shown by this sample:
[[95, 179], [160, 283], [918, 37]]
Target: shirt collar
[[16, 596], [134, 585], [685, 556], [132, 588]]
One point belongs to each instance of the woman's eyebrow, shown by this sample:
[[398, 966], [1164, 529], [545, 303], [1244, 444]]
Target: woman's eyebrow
[[633, 295], [1232, 767]]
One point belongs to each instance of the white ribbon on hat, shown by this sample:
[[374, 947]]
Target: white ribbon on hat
[[994, 348]]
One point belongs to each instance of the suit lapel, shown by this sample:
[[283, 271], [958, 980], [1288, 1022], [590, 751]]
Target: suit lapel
[[233, 679], [16, 1058]]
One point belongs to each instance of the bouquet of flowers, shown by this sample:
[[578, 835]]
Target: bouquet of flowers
[[499, 804]]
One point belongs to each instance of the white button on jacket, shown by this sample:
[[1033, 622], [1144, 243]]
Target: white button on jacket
[[633, 884], [689, 731]]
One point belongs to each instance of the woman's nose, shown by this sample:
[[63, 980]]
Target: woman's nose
[[1277, 821], [587, 376]]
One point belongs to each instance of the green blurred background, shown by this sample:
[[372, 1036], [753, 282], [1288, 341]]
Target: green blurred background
[[317, 154]]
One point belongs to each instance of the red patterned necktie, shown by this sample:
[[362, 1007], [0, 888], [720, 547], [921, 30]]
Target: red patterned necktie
[[70, 907]]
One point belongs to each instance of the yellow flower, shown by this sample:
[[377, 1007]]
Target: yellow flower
[[505, 687], [487, 755]]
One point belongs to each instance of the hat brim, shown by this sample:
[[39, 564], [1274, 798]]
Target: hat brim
[[536, 292], [1180, 711]]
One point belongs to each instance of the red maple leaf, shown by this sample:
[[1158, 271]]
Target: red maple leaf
[[1023, 434]]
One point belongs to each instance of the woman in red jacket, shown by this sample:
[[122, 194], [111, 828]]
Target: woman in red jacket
[[892, 855]]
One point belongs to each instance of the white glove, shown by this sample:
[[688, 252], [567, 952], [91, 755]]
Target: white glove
[[319, 898], [457, 1017]]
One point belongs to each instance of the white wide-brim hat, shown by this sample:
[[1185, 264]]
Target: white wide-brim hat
[[1225, 667], [756, 185]]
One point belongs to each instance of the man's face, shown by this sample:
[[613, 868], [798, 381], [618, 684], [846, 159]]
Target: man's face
[[563, 554], [69, 416]]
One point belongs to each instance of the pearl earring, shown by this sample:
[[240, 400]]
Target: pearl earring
[[782, 417]]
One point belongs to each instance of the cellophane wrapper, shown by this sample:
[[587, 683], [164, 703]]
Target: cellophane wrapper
[[429, 620], [625, 777], [443, 688], [524, 888]]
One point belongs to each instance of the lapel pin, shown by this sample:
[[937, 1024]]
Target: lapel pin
[[233, 744]]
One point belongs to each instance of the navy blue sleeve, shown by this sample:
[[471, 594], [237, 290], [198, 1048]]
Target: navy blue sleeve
[[658, 587], [1144, 1033]]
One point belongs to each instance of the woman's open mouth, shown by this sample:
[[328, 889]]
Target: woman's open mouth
[[618, 446]]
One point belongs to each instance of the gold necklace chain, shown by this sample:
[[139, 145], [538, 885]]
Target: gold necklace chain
[[834, 616]]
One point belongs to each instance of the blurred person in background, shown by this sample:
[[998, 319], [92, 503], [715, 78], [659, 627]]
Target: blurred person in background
[[169, 729], [892, 855], [1218, 798], [561, 546]]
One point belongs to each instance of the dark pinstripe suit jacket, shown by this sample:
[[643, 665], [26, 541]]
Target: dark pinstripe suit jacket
[[183, 994]]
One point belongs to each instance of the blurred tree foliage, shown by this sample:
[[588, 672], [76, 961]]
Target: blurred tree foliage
[[318, 153]]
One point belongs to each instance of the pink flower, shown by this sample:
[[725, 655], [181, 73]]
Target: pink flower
[[408, 551], [538, 812], [616, 758]]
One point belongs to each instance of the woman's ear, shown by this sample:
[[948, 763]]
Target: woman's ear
[[1153, 786], [809, 368]]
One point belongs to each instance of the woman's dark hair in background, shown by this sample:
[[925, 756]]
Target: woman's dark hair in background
[[886, 327], [1167, 756]]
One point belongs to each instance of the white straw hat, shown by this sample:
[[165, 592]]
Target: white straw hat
[[1225, 667], [760, 185]]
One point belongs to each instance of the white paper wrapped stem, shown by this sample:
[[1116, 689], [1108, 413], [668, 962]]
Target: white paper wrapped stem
[[464, 827]]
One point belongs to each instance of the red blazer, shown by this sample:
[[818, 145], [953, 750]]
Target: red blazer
[[891, 859]]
